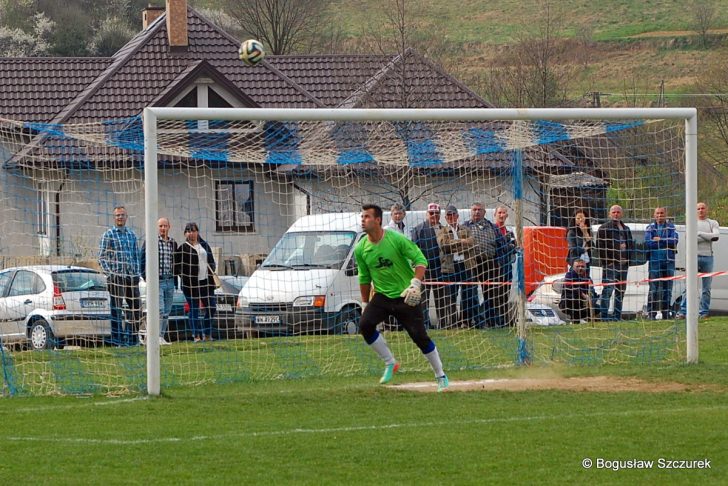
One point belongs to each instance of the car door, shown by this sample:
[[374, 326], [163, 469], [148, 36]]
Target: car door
[[22, 297], [6, 323]]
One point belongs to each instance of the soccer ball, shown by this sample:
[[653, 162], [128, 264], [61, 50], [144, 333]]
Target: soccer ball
[[251, 52]]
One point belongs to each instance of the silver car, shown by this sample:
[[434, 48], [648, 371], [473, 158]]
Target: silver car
[[45, 304]]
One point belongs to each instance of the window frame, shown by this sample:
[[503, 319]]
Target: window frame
[[222, 224]]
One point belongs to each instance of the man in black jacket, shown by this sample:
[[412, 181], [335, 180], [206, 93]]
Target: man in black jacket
[[424, 235], [615, 246]]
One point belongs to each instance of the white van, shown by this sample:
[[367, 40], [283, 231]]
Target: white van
[[308, 284], [635, 297]]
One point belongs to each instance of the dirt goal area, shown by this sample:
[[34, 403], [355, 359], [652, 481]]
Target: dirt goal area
[[584, 384]]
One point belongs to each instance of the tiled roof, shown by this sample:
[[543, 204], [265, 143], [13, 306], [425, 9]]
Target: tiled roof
[[35, 89], [145, 69]]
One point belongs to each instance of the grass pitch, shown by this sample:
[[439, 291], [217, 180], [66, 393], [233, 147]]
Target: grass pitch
[[336, 430]]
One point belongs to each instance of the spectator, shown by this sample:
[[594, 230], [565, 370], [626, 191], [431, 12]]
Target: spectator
[[194, 264], [577, 294], [708, 233], [661, 241], [503, 292], [456, 244], [615, 244], [167, 280], [579, 238], [119, 260], [488, 256], [425, 237], [397, 214]]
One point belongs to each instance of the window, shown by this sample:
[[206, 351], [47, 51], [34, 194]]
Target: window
[[5, 282], [42, 213], [234, 207], [26, 283]]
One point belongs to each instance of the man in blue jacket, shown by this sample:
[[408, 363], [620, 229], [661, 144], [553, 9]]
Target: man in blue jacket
[[661, 241]]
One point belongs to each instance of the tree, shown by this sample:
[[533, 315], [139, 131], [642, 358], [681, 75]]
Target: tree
[[284, 26], [78, 27], [110, 36], [536, 75], [18, 43], [703, 16]]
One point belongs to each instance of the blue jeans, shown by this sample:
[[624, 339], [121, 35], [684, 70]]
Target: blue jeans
[[660, 295], [202, 309], [611, 274], [705, 265], [166, 296], [468, 297]]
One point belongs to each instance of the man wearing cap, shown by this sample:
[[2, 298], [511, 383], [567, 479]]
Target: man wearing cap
[[456, 245], [490, 248], [424, 235]]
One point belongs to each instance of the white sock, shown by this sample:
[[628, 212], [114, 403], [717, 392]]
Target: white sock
[[434, 358], [381, 348]]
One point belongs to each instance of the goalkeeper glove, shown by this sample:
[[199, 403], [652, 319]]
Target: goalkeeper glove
[[412, 294]]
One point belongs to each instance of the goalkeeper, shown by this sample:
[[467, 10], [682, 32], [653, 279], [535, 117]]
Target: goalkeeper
[[383, 258]]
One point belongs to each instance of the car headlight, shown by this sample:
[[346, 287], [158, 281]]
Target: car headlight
[[310, 301]]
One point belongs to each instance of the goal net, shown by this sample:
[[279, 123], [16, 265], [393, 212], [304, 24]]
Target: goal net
[[265, 212]]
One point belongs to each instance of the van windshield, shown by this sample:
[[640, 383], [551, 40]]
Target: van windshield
[[314, 249]]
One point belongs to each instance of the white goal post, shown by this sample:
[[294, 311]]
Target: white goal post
[[152, 115]]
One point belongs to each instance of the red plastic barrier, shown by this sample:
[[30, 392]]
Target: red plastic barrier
[[544, 253]]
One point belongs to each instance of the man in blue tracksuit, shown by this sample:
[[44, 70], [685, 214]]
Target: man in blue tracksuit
[[661, 241]]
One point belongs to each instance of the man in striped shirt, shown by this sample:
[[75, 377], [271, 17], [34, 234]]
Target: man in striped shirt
[[119, 259]]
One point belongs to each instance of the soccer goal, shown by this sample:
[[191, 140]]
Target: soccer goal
[[276, 195]]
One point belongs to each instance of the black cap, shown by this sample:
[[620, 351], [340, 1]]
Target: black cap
[[451, 210]]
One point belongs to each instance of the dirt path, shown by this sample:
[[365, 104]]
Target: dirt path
[[585, 384], [674, 33]]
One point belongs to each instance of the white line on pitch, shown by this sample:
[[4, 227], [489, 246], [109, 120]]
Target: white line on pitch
[[359, 428]]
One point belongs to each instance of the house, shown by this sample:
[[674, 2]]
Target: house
[[58, 197]]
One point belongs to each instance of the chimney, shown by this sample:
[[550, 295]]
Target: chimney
[[177, 25], [150, 14]]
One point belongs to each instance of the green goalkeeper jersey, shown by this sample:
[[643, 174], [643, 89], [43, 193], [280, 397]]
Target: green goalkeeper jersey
[[387, 262]]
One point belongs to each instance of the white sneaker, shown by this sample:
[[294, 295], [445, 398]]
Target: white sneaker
[[163, 342]]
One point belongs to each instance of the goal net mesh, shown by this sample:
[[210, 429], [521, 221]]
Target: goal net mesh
[[278, 205]]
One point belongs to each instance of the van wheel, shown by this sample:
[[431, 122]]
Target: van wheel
[[348, 322], [40, 334]]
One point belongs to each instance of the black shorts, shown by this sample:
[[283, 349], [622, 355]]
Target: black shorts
[[411, 318]]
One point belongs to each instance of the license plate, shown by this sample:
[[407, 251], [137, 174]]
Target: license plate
[[224, 307], [93, 303], [267, 319]]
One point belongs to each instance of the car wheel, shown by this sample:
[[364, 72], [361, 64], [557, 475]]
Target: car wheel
[[41, 336], [348, 322]]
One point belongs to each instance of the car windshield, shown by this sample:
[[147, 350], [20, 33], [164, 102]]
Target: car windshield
[[79, 280], [314, 249]]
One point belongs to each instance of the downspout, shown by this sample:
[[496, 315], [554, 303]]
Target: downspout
[[58, 218]]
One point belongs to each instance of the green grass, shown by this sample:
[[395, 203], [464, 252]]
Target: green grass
[[123, 370], [497, 22], [331, 430]]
